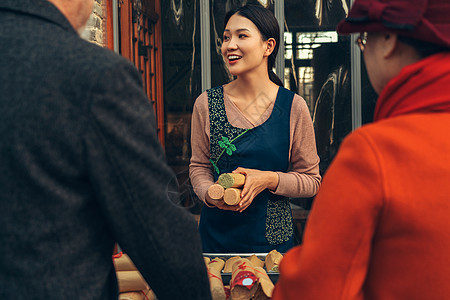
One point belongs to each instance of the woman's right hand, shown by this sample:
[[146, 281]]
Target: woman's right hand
[[220, 204]]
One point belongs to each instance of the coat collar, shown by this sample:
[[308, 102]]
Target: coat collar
[[418, 88], [42, 9]]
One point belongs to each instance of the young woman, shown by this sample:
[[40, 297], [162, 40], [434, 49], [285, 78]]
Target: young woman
[[256, 127]]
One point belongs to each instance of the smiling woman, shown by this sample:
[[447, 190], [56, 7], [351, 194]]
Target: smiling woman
[[244, 47], [273, 141], [252, 29]]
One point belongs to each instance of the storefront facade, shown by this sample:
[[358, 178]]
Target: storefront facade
[[176, 46]]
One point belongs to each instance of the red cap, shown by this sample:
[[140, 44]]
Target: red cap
[[426, 20]]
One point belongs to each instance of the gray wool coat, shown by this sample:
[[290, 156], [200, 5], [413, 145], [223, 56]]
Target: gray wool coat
[[81, 168]]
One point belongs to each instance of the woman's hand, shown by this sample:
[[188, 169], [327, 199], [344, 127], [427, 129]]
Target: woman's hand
[[255, 182], [220, 204]]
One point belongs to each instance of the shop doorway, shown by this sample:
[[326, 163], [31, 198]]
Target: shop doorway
[[138, 38]]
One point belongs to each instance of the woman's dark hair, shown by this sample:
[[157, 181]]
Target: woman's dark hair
[[267, 25], [423, 48]]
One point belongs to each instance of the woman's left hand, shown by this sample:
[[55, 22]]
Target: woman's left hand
[[255, 182]]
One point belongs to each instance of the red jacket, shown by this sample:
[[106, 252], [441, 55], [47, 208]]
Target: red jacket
[[380, 225]]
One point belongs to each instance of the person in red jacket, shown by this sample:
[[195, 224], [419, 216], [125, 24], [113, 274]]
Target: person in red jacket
[[380, 225]]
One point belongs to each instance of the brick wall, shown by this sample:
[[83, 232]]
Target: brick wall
[[95, 27]]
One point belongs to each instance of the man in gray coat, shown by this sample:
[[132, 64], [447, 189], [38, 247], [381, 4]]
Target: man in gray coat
[[81, 167]]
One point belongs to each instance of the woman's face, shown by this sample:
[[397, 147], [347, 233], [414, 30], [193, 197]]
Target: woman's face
[[243, 47]]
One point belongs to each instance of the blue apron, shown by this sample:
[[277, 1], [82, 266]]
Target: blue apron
[[267, 223]]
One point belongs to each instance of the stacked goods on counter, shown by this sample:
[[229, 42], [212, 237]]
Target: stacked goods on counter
[[256, 261], [243, 283], [214, 267], [273, 260], [142, 295], [249, 279], [132, 286], [228, 188], [265, 285], [229, 264]]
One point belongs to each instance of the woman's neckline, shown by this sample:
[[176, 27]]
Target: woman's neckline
[[264, 117]]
